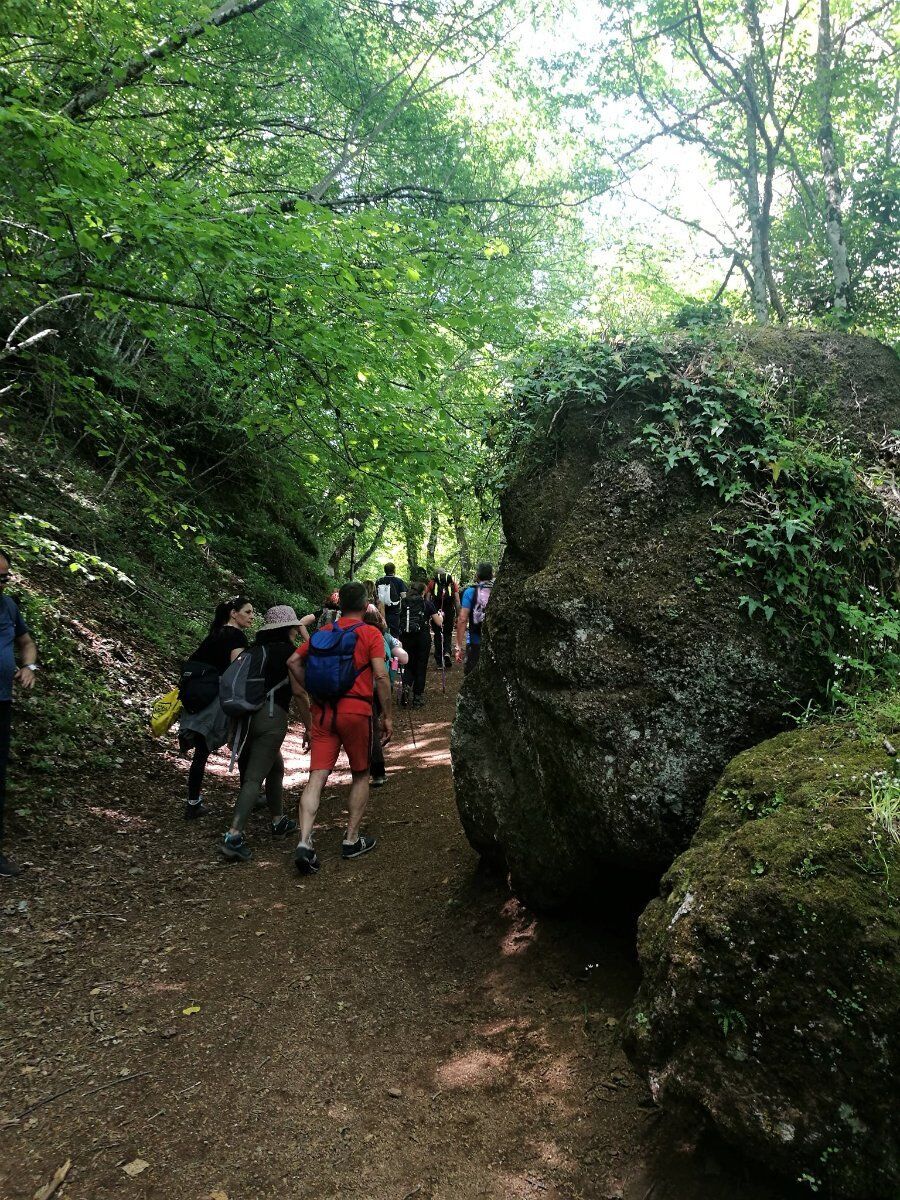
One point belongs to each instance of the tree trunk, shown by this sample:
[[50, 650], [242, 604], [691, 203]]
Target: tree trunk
[[91, 94], [376, 542], [334, 560], [411, 541], [431, 549], [831, 176], [459, 530], [759, 291]]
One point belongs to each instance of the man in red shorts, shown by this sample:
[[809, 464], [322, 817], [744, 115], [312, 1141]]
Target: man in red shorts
[[347, 723]]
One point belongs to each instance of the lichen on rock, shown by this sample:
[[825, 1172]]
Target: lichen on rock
[[623, 668], [770, 999]]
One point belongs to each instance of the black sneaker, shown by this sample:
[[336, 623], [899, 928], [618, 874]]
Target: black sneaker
[[235, 849], [8, 869], [378, 781], [306, 860], [283, 827], [418, 702], [363, 844], [193, 811]]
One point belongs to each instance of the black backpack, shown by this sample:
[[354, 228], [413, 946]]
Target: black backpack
[[198, 685], [412, 614], [443, 593]]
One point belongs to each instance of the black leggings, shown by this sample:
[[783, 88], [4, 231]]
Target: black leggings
[[198, 769], [418, 647], [443, 640]]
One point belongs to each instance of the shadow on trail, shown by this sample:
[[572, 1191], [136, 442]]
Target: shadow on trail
[[398, 1028]]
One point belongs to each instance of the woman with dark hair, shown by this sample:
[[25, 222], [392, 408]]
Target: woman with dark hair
[[203, 724]]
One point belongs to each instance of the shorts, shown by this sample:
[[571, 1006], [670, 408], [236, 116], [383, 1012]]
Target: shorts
[[330, 731]]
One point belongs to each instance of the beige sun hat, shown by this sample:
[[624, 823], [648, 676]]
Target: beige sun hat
[[281, 616]]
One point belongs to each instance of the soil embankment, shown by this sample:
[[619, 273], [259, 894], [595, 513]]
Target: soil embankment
[[397, 1027]]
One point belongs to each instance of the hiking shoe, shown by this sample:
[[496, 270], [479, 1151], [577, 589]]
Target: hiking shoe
[[363, 844], [235, 849], [418, 702], [8, 869], [193, 811], [378, 781], [306, 860], [283, 827]]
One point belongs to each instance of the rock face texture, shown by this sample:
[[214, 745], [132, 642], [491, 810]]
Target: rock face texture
[[771, 992], [620, 674]]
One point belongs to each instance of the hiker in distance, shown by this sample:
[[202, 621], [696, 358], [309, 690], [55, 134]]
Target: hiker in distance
[[443, 591], [390, 588], [418, 616], [203, 724], [337, 673], [262, 728], [471, 616], [15, 638]]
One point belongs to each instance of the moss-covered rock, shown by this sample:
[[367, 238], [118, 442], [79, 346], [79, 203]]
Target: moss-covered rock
[[771, 992], [621, 672]]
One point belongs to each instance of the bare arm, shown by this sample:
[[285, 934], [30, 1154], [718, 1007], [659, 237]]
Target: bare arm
[[27, 651], [461, 623], [383, 691], [297, 675]]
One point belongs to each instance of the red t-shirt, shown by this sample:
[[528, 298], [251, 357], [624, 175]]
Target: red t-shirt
[[369, 649]]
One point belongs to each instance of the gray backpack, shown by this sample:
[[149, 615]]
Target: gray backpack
[[242, 688]]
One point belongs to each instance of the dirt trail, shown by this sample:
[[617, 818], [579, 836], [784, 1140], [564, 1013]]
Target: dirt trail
[[394, 1028]]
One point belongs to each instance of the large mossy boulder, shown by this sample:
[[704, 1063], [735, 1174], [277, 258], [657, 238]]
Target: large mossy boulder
[[628, 655], [770, 999]]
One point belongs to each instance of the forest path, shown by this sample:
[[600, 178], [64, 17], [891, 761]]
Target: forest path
[[397, 1027]]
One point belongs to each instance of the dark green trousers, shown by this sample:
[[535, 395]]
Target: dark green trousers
[[261, 761]]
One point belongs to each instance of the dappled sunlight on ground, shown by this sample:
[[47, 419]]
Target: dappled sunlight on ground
[[476, 1068], [430, 749], [125, 822]]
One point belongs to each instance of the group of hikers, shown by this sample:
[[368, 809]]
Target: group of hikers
[[341, 667]]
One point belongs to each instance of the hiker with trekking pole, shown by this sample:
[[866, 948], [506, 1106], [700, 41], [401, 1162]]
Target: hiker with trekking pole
[[443, 591], [417, 617]]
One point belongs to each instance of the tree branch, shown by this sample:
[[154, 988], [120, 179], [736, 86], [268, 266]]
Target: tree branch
[[92, 94]]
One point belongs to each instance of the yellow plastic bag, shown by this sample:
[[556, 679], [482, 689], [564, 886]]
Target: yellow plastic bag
[[164, 712]]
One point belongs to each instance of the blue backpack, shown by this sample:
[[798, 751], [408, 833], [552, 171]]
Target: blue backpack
[[330, 669]]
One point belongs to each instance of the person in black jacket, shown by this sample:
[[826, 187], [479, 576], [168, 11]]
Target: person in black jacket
[[207, 729], [418, 616], [390, 589]]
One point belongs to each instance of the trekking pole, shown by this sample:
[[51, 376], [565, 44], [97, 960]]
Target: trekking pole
[[443, 664], [412, 728]]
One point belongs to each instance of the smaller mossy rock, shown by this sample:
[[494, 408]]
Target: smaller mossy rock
[[771, 992]]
